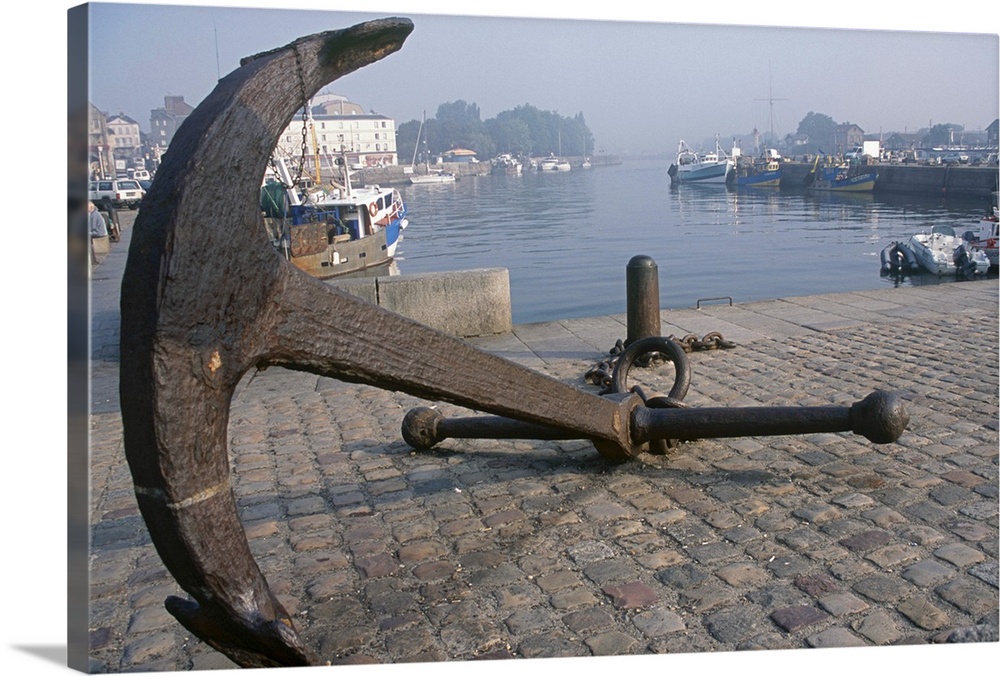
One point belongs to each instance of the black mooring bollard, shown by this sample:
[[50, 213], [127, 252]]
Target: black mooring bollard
[[642, 288]]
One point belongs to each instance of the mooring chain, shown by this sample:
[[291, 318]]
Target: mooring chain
[[711, 341], [600, 373]]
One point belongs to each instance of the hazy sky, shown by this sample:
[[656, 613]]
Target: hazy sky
[[641, 85]]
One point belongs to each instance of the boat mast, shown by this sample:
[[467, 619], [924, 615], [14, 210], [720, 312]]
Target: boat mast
[[770, 102], [416, 145], [315, 145], [281, 168]]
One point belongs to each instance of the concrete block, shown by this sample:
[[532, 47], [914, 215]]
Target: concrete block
[[102, 245], [364, 288], [463, 303]]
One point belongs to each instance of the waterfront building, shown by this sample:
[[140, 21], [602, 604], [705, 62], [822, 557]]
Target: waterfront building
[[99, 150], [460, 156], [163, 122], [844, 137], [125, 141], [335, 126]]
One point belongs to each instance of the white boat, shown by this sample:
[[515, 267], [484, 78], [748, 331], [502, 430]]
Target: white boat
[[692, 167], [505, 163], [334, 231], [433, 177], [429, 175], [941, 252], [553, 163]]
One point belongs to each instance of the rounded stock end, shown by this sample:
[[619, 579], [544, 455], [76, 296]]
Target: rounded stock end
[[880, 417], [420, 428]]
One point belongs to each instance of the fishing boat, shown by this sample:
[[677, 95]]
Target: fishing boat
[[850, 176], [755, 172], [941, 252], [336, 231], [988, 235], [692, 167]]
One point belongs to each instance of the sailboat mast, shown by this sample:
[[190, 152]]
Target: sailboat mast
[[416, 145]]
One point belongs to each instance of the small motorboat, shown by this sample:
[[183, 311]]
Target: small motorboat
[[553, 163], [942, 252]]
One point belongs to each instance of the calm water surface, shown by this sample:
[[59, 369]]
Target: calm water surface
[[567, 237]]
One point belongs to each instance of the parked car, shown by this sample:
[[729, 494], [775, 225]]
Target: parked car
[[121, 192]]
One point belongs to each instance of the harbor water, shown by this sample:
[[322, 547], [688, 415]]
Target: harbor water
[[566, 237]]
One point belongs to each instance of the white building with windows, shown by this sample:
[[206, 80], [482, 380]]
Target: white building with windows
[[336, 127], [124, 137]]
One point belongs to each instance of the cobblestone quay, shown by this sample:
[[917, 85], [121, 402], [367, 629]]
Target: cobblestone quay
[[529, 549]]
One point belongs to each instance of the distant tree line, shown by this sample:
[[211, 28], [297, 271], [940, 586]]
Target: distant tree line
[[525, 130]]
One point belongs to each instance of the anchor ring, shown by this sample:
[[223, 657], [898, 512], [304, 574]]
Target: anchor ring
[[666, 346], [673, 351]]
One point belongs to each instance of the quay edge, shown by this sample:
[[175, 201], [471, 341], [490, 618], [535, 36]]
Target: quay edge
[[950, 180]]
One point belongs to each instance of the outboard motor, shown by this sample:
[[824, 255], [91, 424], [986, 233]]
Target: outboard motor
[[964, 265]]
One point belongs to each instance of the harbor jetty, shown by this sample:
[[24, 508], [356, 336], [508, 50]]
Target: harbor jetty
[[943, 179], [529, 549], [400, 174], [954, 180]]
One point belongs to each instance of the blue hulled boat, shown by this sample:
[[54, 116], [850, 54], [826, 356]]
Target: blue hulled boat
[[850, 176], [755, 172]]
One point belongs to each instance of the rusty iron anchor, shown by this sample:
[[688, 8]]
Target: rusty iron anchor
[[880, 417], [206, 298]]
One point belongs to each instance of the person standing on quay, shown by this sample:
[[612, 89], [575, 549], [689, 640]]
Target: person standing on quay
[[108, 207], [98, 231]]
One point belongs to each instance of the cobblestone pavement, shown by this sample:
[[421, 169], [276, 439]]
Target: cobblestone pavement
[[496, 549]]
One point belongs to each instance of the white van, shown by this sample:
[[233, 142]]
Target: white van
[[140, 175]]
